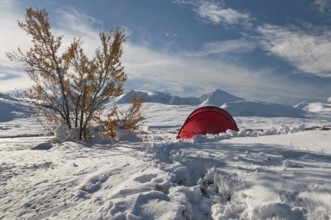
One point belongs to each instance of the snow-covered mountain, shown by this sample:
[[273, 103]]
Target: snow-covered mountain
[[262, 109], [4, 96], [159, 97], [10, 109], [315, 106], [218, 98], [235, 105]]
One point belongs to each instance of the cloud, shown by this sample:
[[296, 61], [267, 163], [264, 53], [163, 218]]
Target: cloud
[[12, 76], [160, 70], [308, 49], [322, 5], [68, 22], [226, 47], [219, 14], [308, 52], [152, 70], [11, 81], [10, 34], [76, 23]]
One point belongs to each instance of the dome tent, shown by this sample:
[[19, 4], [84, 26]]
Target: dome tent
[[207, 120]]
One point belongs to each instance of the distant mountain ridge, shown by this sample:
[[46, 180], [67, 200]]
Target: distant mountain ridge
[[218, 97], [4, 96], [159, 97], [11, 109], [315, 106], [235, 105]]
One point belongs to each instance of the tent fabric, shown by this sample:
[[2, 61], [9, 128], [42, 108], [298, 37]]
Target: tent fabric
[[207, 120]]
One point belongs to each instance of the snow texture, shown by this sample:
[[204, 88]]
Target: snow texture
[[273, 168]]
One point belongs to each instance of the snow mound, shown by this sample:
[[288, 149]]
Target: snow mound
[[42, 146], [262, 109], [274, 210], [249, 133], [123, 134], [218, 98]]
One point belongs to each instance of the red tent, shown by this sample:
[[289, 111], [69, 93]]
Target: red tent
[[207, 120]]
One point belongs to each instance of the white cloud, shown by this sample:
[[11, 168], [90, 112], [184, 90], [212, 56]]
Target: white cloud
[[69, 22], [10, 34], [76, 23], [162, 71], [17, 81], [224, 47], [308, 52], [219, 14], [157, 71]]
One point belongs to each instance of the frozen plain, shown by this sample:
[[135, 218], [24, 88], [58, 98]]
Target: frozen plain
[[274, 168]]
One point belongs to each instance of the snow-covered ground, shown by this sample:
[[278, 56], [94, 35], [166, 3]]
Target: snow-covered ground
[[274, 168]]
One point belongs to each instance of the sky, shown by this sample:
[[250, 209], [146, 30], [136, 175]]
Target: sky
[[275, 51]]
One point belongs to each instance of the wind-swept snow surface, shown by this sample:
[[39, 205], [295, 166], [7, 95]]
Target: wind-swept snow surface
[[274, 168]]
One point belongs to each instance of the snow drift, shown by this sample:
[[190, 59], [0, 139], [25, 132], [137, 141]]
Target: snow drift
[[277, 170]]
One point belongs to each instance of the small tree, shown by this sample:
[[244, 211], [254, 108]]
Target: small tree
[[69, 87], [122, 119]]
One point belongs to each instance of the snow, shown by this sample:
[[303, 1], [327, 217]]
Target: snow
[[11, 110], [235, 105], [318, 107], [158, 97], [315, 106], [273, 168], [218, 98], [262, 109]]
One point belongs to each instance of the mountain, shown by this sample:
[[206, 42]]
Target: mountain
[[159, 97], [12, 109], [315, 106], [176, 100], [301, 105], [262, 109], [235, 105], [318, 107], [218, 98], [5, 97]]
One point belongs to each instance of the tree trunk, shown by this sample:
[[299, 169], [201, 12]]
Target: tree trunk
[[81, 127]]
